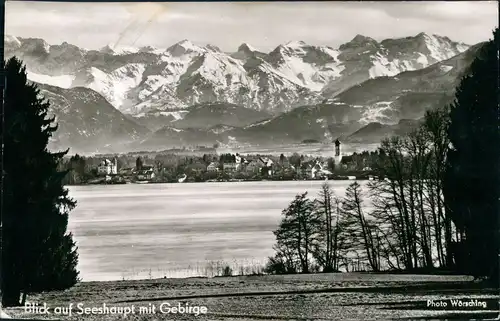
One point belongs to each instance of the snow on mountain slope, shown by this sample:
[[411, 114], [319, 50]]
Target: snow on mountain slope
[[408, 94], [365, 58], [63, 81], [377, 112], [221, 70], [441, 48], [190, 74], [186, 48], [162, 84], [164, 98], [174, 63], [152, 84], [116, 85], [213, 77], [382, 67], [140, 80], [308, 66], [445, 68], [118, 50], [381, 106]]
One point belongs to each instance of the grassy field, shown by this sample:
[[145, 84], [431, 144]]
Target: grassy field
[[344, 296]]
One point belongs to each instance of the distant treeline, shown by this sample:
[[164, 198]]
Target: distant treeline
[[169, 166]]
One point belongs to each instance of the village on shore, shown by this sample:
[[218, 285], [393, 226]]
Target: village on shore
[[179, 167]]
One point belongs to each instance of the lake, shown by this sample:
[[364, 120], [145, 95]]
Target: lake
[[138, 231]]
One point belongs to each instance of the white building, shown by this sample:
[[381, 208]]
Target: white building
[[231, 167], [213, 167], [146, 174], [253, 166], [107, 167], [267, 163], [320, 170]]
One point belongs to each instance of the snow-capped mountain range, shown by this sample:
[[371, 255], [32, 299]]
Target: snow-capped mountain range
[[305, 91], [136, 80]]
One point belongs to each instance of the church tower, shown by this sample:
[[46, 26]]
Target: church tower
[[338, 152], [114, 169]]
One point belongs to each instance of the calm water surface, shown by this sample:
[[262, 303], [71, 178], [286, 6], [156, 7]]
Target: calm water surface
[[155, 230]]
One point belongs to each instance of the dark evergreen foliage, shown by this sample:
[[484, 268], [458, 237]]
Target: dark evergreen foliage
[[227, 158], [472, 177], [37, 254], [138, 163]]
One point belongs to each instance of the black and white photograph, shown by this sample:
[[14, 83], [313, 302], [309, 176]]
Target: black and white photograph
[[234, 161]]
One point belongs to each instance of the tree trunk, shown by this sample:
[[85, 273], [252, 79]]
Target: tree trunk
[[10, 292], [335, 242], [23, 300]]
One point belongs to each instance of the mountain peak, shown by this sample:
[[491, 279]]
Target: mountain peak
[[107, 49], [213, 48], [185, 42], [114, 49], [37, 45], [147, 49], [151, 49], [295, 44], [422, 35], [189, 45], [360, 39], [436, 37], [245, 47], [183, 47], [425, 37], [12, 40]]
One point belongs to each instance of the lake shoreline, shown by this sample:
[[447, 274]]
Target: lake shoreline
[[224, 181]]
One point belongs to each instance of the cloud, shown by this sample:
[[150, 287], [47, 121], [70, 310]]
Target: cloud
[[21, 14], [264, 25], [443, 11]]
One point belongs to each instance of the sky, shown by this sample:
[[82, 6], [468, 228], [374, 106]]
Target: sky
[[264, 25]]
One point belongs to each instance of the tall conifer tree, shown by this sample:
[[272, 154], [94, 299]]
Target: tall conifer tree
[[38, 254], [472, 178]]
